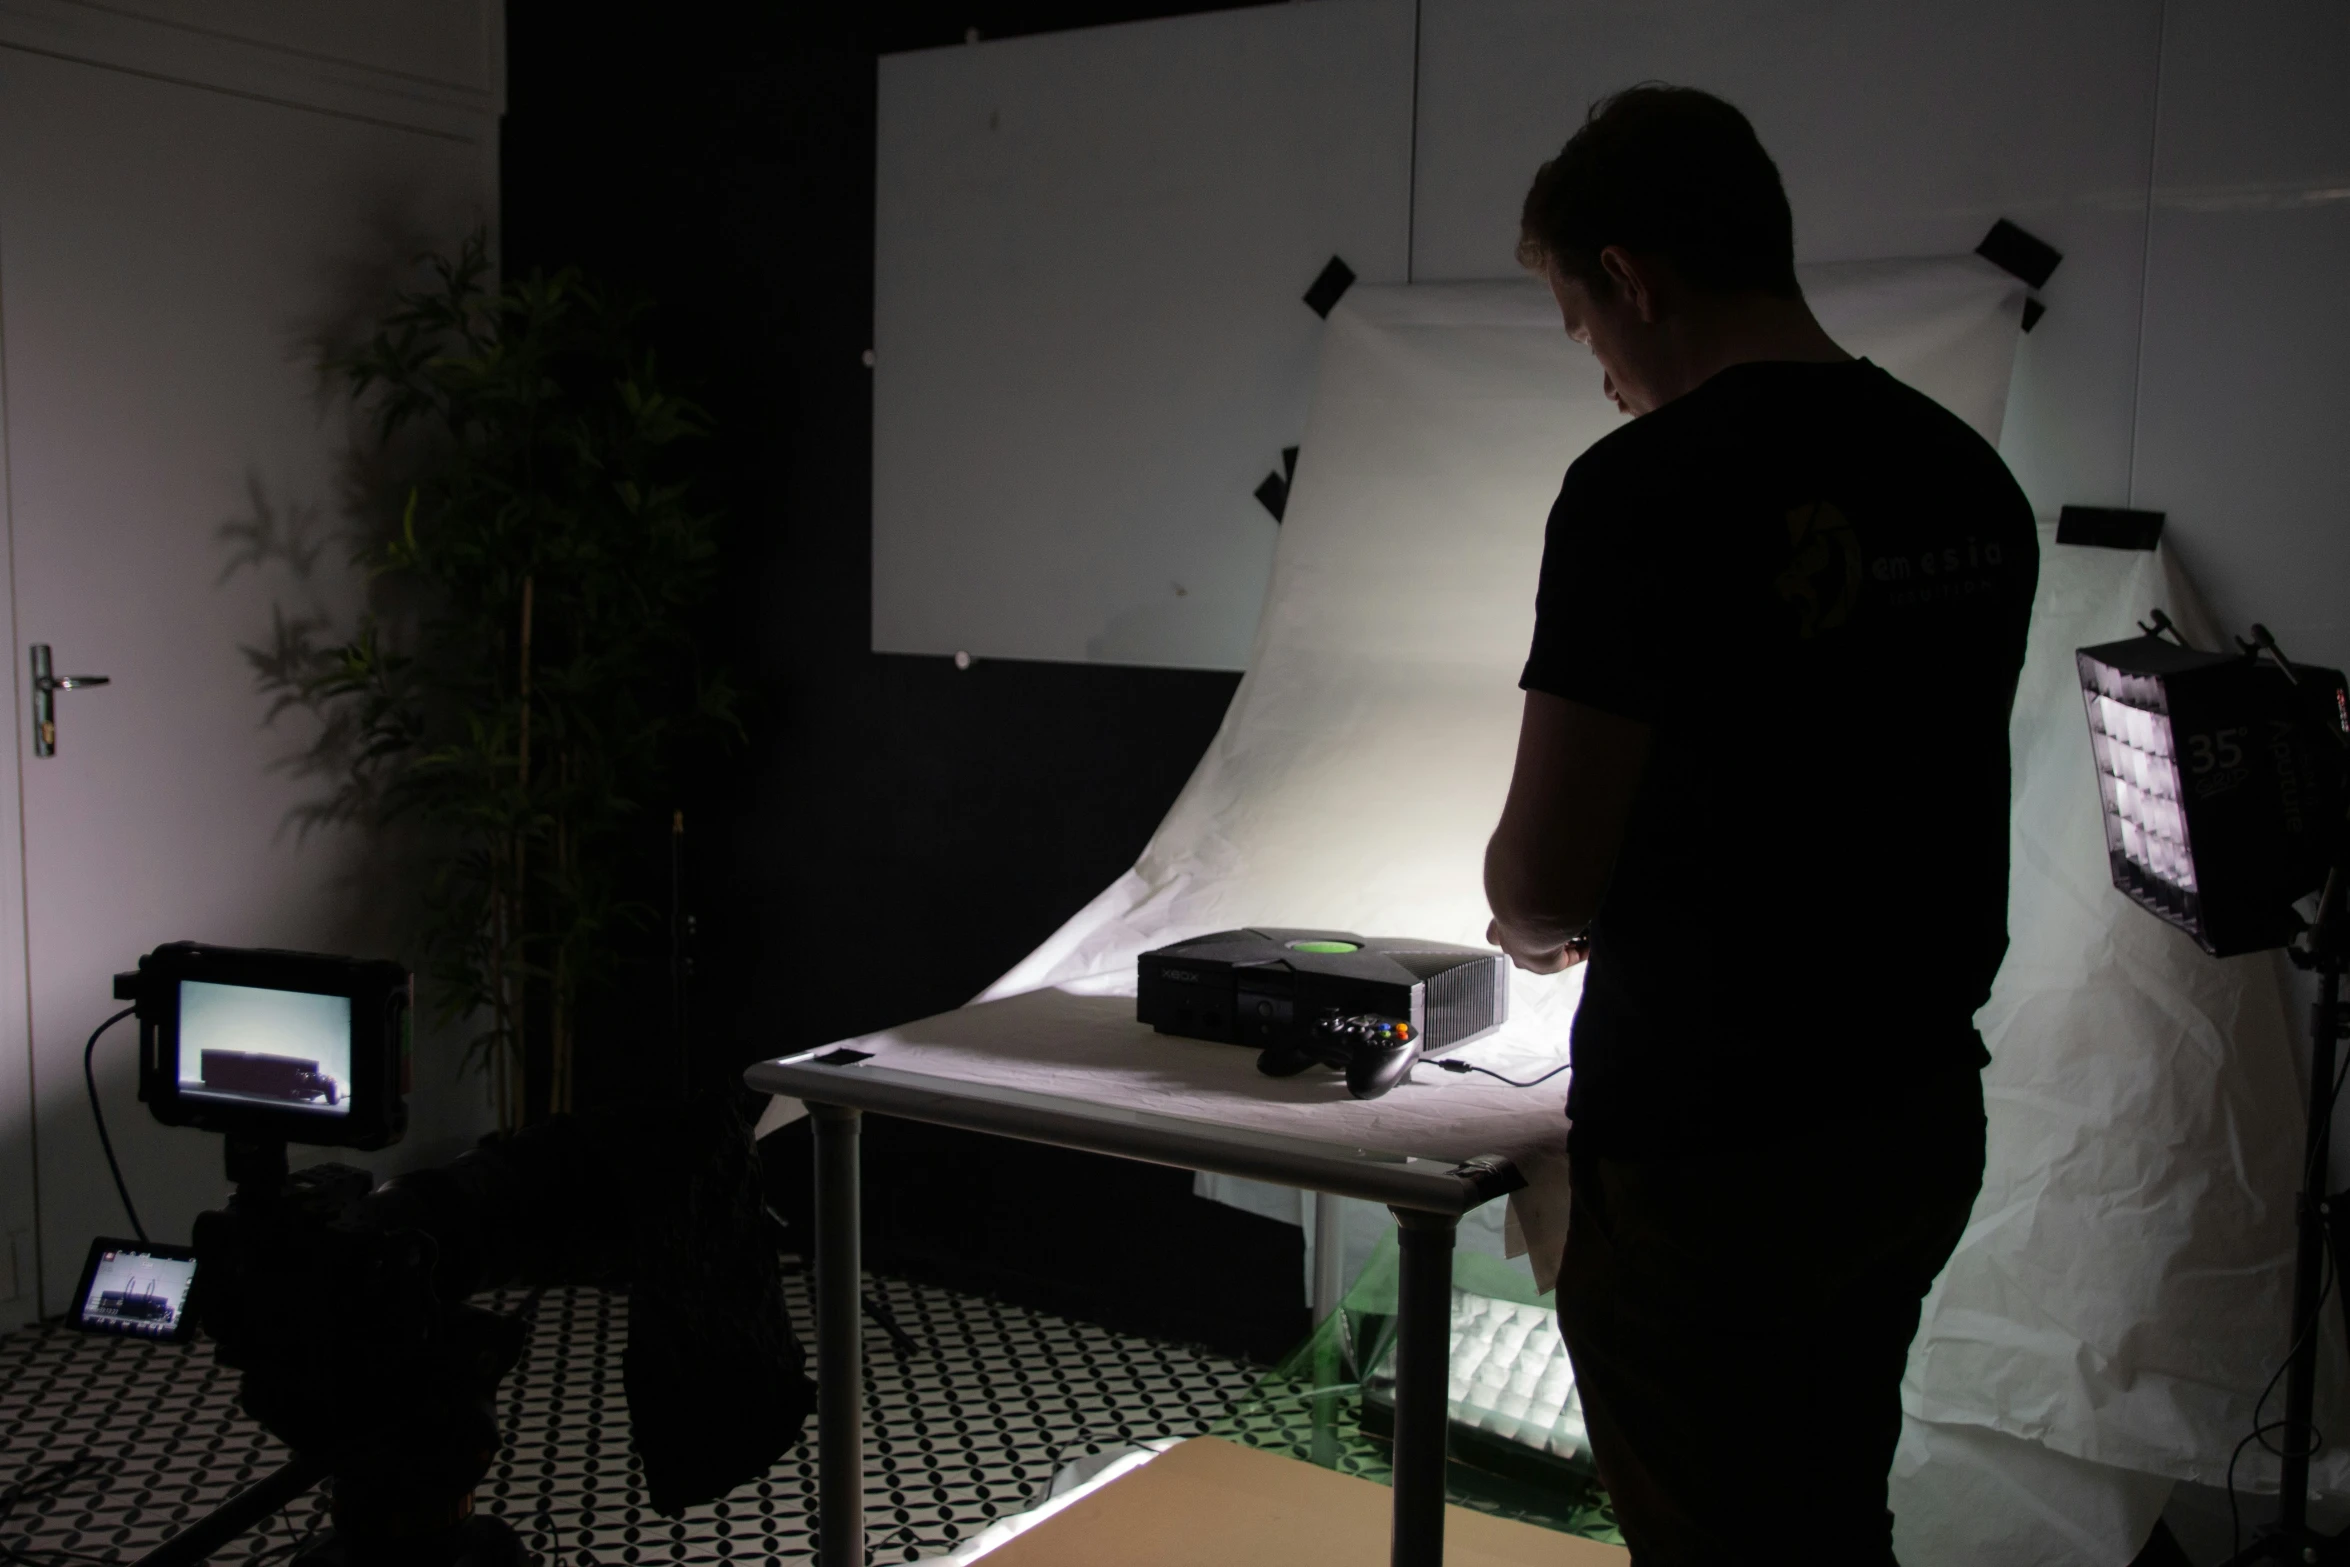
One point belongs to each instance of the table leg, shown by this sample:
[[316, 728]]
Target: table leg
[[1329, 1255], [1423, 1376], [840, 1343], [1329, 1286]]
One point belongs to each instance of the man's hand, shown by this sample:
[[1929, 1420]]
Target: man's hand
[[1555, 960], [1571, 793]]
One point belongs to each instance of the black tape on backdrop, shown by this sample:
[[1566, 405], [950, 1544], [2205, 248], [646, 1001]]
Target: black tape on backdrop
[[1330, 287], [1273, 495], [2109, 527], [2024, 255]]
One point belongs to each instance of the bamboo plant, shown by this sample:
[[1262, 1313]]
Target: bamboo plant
[[515, 694]]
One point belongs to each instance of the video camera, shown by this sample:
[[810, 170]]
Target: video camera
[[345, 1305]]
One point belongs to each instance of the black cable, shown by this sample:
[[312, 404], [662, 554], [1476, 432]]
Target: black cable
[[2328, 1271], [44, 1485], [900, 1340], [1450, 1065], [98, 1114], [296, 1543], [2312, 1181]]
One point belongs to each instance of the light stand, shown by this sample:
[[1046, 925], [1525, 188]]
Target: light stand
[[2224, 784], [2290, 1538]]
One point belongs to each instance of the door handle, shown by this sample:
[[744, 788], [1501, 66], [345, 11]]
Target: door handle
[[46, 685]]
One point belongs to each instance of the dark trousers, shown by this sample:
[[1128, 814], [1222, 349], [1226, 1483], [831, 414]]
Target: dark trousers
[[1739, 1325]]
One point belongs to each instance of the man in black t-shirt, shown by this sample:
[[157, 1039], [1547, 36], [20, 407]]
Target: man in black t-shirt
[[1762, 787]]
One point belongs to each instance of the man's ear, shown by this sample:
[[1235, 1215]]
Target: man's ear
[[1634, 279]]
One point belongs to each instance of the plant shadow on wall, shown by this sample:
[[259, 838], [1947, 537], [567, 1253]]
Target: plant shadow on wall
[[508, 705]]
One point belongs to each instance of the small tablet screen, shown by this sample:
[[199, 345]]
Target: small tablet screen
[[138, 1289]]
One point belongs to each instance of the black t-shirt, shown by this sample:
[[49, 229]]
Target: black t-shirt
[[1814, 583]]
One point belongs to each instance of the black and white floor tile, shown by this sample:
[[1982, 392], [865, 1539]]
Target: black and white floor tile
[[961, 1433]]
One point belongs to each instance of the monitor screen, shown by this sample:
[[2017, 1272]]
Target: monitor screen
[[137, 1290], [244, 1044]]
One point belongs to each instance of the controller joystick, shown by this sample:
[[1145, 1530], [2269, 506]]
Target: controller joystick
[[1383, 1053], [1376, 1053]]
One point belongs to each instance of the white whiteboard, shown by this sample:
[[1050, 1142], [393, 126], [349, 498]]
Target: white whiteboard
[[1084, 365], [1090, 342], [1900, 130]]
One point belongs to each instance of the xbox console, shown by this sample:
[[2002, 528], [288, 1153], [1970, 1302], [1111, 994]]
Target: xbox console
[[1368, 1005]]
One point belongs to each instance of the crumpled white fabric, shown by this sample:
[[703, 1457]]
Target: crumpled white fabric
[[2120, 1295], [1966, 1496]]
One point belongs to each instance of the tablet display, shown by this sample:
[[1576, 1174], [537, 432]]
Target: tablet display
[[138, 1289]]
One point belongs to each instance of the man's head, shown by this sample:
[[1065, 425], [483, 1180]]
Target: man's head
[[1661, 218]]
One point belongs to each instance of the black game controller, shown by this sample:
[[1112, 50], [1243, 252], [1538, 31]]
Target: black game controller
[[1376, 1053]]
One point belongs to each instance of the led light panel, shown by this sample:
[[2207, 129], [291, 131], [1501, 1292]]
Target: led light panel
[[2221, 795], [2138, 779]]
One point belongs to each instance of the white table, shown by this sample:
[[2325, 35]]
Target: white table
[[1077, 1071]]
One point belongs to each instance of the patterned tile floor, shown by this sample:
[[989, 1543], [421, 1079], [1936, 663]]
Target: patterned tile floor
[[1304, 1417], [957, 1436]]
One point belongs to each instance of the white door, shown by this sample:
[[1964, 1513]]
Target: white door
[[171, 255]]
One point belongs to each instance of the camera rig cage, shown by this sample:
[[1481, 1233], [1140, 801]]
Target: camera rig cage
[[368, 1106]]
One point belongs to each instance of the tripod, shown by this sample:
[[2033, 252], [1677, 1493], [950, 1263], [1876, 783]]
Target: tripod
[[2290, 1538], [352, 1358]]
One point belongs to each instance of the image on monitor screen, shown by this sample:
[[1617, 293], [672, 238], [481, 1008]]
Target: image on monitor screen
[[137, 1292], [244, 1044]]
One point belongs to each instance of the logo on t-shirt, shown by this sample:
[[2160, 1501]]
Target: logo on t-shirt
[[1822, 581], [1940, 573]]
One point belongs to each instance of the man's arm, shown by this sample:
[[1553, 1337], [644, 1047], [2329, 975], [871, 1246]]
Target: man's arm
[[1577, 772]]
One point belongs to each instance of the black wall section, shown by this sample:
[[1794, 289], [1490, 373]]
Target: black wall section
[[897, 832]]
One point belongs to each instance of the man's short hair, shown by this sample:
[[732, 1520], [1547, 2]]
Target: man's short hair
[[1667, 172]]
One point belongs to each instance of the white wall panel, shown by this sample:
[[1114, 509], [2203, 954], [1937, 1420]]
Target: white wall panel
[[1091, 247], [170, 257], [454, 42], [436, 66], [1090, 251], [2241, 433], [1901, 130]]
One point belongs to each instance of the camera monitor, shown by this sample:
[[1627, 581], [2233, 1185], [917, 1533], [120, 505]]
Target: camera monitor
[[296, 1047], [138, 1289]]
